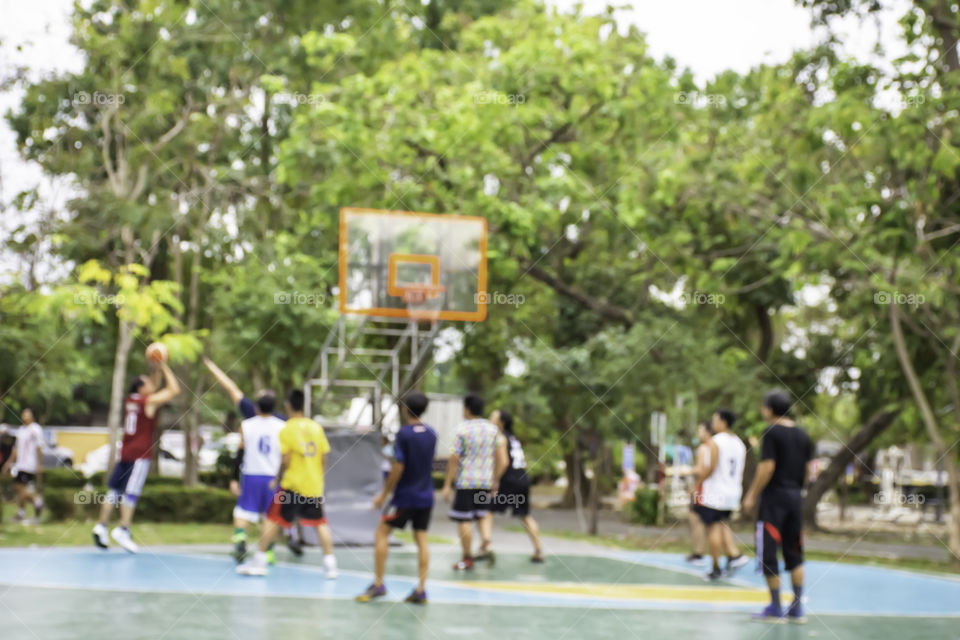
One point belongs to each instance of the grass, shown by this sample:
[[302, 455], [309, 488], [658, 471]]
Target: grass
[[407, 538], [662, 543], [76, 533]]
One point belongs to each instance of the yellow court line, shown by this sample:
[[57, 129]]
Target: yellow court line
[[653, 592]]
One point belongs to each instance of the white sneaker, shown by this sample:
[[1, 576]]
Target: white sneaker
[[122, 537], [330, 566], [736, 563], [100, 537], [255, 566]]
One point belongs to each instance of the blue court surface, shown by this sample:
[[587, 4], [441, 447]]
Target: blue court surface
[[75, 592]]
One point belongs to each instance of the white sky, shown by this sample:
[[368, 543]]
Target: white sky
[[708, 36]]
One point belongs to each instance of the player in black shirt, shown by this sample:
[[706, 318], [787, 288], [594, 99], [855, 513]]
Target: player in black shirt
[[785, 453], [514, 491]]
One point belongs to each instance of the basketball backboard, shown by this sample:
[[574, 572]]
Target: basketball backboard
[[423, 266]]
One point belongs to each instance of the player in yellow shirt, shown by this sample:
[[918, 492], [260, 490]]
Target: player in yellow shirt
[[299, 496]]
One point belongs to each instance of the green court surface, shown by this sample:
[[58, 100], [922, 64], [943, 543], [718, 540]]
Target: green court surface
[[83, 593]]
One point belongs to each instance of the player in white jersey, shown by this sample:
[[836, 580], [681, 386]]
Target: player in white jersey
[[259, 457], [27, 463], [720, 492], [698, 532]]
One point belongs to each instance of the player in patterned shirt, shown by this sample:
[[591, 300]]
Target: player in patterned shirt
[[478, 458], [130, 472]]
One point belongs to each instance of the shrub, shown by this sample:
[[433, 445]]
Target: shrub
[[161, 502], [643, 508], [219, 478], [61, 478]]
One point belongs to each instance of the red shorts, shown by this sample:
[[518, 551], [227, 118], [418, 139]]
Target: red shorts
[[289, 507]]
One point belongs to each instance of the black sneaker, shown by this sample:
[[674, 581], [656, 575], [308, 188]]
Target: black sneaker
[[295, 547], [714, 575], [416, 597], [240, 551], [537, 558]]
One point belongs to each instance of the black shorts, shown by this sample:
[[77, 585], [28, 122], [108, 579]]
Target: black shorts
[[289, 506], [710, 515], [780, 524], [470, 504], [24, 477], [516, 498], [398, 518]]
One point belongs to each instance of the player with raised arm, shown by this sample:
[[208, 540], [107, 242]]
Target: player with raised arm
[[477, 460], [411, 483], [299, 482], [26, 461], [130, 472], [785, 455], [254, 471], [248, 409]]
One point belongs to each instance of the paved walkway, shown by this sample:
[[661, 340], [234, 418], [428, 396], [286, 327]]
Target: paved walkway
[[611, 524]]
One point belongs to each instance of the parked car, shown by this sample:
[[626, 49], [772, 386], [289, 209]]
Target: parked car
[[57, 457]]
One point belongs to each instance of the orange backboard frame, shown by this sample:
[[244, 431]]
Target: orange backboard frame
[[401, 290]]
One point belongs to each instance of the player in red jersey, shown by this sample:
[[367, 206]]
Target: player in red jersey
[[126, 481]]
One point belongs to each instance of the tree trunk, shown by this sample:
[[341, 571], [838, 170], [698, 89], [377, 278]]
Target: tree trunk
[[595, 496], [933, 429], [192, 418], [859, 441], [578, 477], [117, 390], [766, 332]]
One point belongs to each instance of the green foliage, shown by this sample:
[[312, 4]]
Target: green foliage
[[643, 508], [162, 502]]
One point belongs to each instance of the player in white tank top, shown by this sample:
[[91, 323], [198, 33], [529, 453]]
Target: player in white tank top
[[722, 489], [721, 493]]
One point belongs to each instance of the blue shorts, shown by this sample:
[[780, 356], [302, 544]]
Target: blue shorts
[[255, 497], [127, 480]]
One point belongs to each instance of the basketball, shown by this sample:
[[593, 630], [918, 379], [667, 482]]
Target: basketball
[[157, 352]]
